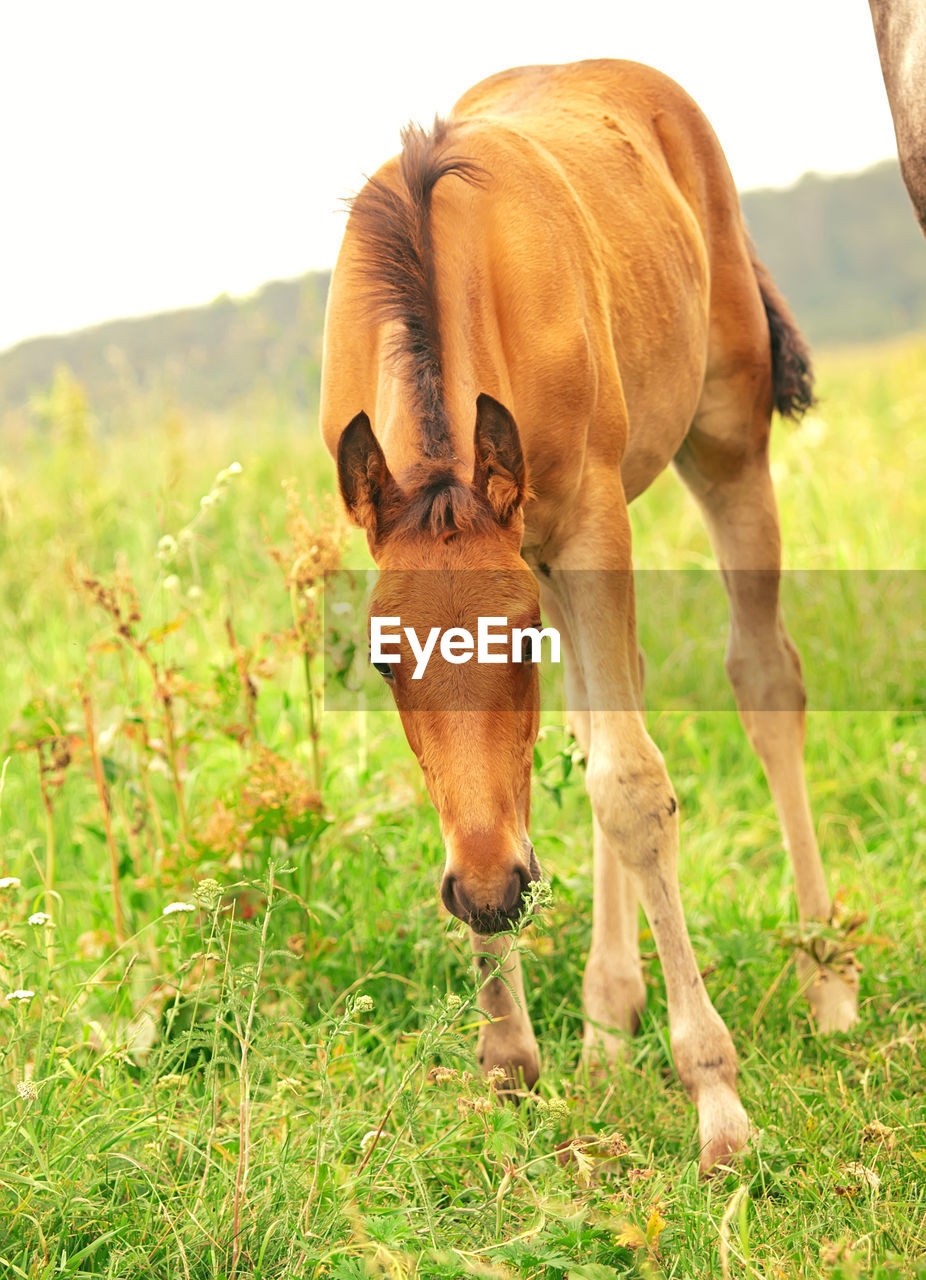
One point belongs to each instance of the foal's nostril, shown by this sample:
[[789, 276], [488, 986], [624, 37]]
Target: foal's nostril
[[447, 894], [489, 912], [516, 886], [535, 872], [455, 900]]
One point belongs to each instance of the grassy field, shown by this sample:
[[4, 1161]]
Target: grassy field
[[249, 1044]]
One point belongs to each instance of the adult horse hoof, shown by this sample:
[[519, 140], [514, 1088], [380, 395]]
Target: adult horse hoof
[[833, 996], [831, 990]]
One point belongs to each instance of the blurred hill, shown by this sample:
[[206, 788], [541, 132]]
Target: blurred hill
[[229, 353], [845, 251]]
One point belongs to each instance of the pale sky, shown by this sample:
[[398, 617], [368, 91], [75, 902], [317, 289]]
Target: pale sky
[[155, 155]]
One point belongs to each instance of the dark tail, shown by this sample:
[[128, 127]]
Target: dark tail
[[792, 373]]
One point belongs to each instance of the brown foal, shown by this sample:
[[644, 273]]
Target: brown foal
[[537, 307]]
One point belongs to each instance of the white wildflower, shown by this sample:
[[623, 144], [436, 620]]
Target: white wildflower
[[194, 593], [10, 882], [234, 468], [367, 1139], [23, 996], [173, 908], [39, 918], [363, 1004], [27, 1091], [207, 501], [167, 548], [171, 582]]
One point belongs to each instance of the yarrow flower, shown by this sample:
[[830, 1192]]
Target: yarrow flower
[[27, 1091], [23, 996], [173, 908], [558, 1108], [10, 882], [39, 918], [363, 1004], [209, 893]]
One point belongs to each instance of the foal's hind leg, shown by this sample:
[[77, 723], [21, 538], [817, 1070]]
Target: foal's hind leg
[[734, 490]]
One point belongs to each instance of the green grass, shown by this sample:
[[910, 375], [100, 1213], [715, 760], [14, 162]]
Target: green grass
[[211, 1093]]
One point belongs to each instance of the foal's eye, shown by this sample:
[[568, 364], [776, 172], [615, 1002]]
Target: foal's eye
[[384, 670], [527, 645]]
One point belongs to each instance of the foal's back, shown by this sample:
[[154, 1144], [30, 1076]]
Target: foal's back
[[622, 245], [595, 278]]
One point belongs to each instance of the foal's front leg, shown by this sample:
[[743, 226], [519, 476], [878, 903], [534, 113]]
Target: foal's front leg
[[636, 819], [613, 990], [506, 1038], [637, 813]]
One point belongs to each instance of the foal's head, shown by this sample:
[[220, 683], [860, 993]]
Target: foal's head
[[449, 554]]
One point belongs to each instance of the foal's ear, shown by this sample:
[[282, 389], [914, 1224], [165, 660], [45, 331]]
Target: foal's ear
[[499, 470], [363, 476]]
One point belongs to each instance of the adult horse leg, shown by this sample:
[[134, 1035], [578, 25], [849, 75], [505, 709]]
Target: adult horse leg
[[636, 813], [613, 990], [734, 490]]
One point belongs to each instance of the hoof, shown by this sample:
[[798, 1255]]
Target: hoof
[[514, 1068], [833, 996], [612, 1015], [603, 1049], [723, 1128]]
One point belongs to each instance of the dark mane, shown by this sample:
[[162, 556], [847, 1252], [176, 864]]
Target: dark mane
[[438, 502], [394, 227]]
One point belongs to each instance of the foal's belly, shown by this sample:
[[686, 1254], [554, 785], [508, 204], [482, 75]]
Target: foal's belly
[[648, 454]]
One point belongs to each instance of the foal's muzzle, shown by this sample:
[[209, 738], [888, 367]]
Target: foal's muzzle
[[490, 910]]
